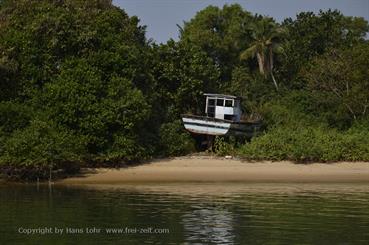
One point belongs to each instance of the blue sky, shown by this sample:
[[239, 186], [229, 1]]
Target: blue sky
[[162, 16]]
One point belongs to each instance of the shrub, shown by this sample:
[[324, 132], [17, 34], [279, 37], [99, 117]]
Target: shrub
[[124, 149], [42, 146], [174, 140], [13, 116], [309, 144], [224, 146]]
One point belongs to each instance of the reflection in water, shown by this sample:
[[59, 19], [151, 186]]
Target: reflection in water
[[195, 213], [208, 225]]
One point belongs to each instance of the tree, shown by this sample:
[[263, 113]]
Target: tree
[[38, 36], [221, 33], [82, 66], [311, 35], [344, 74], [183, 73], [266, 35], [8, 71]]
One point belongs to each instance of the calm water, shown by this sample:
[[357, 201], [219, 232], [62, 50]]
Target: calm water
[[186, 214]]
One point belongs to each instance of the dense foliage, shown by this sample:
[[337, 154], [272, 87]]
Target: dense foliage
[[81, 84]]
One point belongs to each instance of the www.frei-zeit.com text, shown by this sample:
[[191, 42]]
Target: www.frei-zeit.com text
[[90, 230]]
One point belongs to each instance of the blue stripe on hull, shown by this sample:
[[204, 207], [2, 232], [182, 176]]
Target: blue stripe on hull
[[203, 126]]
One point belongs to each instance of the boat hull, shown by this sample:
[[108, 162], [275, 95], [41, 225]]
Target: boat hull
[[213, 126]]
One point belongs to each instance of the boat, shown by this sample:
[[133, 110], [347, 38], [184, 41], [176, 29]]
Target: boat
[[223, 116]]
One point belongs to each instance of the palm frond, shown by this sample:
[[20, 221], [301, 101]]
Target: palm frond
[[249, 53], [278, 48]]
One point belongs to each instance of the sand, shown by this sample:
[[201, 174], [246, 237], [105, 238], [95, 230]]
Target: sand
[[211, 169]]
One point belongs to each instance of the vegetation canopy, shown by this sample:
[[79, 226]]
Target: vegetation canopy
[[80, 85]]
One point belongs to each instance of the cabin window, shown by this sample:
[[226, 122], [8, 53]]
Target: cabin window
[[211, 102], [229, 103], [211, 111], [220, 102], [211, 108]]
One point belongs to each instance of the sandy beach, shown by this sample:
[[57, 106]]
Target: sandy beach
[[211, 169]]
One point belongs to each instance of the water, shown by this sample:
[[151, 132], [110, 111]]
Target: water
[[186, 213]]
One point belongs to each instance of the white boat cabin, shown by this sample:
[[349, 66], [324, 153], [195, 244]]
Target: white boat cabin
[[226, 107]]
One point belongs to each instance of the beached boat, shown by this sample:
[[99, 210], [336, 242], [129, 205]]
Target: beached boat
[[223, 116]]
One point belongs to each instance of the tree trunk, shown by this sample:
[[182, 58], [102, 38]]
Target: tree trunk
[[261, 63], [271, 67]]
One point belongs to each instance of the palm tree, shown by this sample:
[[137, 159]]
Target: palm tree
[[266, 36]]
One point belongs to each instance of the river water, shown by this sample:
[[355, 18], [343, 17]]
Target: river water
[[185, 213]]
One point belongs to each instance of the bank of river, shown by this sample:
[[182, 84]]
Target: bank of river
[[213, 169]]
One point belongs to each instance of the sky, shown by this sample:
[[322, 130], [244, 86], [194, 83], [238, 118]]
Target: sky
[[162, 16]]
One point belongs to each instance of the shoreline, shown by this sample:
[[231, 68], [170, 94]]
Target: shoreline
[[215, 169]]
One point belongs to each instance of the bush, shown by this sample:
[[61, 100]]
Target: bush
[[174, 140], [223, 146], [124, 149], [42, 146], [309, 144], [300, 129], [13, 116], [109, 113]]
